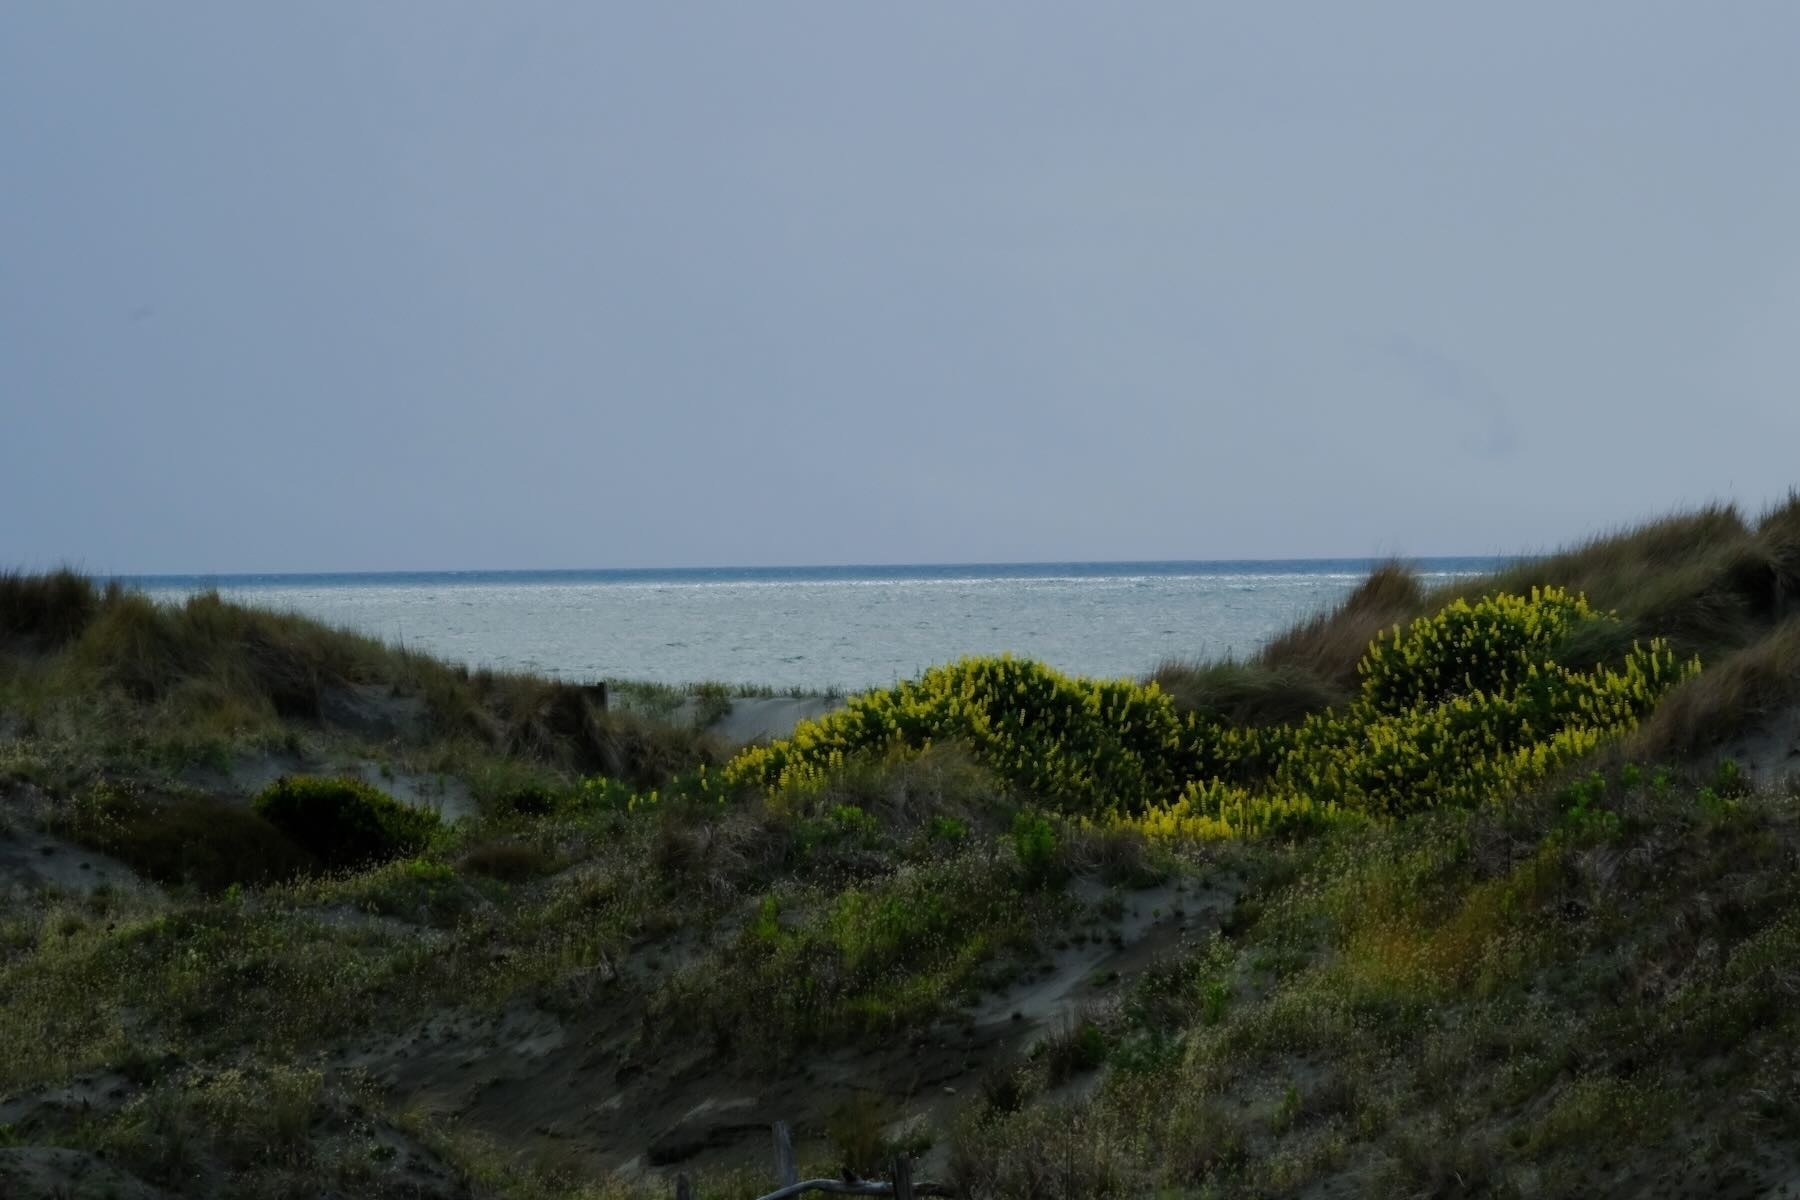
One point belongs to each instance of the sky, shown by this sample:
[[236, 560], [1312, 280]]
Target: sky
[[438, 284]]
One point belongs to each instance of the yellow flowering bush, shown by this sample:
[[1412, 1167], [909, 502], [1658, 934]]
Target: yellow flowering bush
[[1467, 648], [1464, 707], [1078, 745], [1472, 746]]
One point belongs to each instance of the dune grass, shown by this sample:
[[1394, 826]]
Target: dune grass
[[1577, 983], [122, 678]]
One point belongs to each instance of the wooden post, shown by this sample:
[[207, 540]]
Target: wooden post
[[785, 1173], [903, 1188], [683, 1189]]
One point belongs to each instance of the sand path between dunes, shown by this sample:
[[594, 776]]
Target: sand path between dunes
[[760, 718]]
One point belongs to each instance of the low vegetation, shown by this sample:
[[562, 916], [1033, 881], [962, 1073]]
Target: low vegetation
[[1487, 890], [344, 823], [1471, 704]]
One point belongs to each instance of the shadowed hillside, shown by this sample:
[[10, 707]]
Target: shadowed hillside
[[1488, 890]]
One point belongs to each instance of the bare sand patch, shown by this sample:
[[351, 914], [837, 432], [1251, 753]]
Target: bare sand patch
[[758, 718], [249, 774], [27, 1171], [1769, 754], [33, 864]]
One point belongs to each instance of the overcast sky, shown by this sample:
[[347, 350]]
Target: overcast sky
[[367, 286]]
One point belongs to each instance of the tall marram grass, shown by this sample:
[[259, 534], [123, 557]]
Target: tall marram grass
[[208, 664], [46, 610], [1329, 646], [1732, 697], [1709, 581], [1246, 693]]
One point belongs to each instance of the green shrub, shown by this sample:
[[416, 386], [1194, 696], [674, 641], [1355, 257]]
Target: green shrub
[[870, 958], [528, 800], [1075, 745], [200, 841], [1038, 848], [1077, 1048], [1467, 648], [345, 822], [510, 862], [47, 609], [948, 829], [1461, 708]]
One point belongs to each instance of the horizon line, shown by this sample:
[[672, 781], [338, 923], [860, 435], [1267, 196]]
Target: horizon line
[[1014, 564]]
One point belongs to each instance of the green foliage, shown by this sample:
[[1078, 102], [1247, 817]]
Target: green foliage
[[178, 839], [1038, 848], [344, 822], [853, 823], [1079, 1047], [1468, 649], [948, 829], [712, 704], [48, 610], [1076, 745], [529, 800], [1583, 815], [1461, 708], [1729, 779], [610, 795], [867, 958]]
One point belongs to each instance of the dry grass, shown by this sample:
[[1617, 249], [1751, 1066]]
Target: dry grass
[[1734, 695], [46, 610], [510, 862], [1246, 693], [209, 674], [1329, 646], [1706, 580]]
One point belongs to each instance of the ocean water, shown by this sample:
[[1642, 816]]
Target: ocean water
[[818, 627]]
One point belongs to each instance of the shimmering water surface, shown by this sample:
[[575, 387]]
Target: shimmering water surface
[[812, 627]]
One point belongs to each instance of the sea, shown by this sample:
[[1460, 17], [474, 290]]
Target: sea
[[818, 628]]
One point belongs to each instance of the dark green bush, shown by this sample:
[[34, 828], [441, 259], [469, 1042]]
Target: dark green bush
[[47, 609], [529, 800], [1039, 849], [201, 841], [345, 822]]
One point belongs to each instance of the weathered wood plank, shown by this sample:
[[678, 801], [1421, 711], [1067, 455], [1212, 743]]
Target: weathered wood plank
[[903, 1184], [786, 1174]]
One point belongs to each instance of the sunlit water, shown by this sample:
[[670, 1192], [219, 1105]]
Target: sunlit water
[[813, 628]]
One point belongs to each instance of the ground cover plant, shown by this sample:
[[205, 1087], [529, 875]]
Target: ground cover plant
[[1488, 890]]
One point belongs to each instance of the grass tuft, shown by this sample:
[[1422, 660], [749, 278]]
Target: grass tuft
[[1329, 646], [48, 610]]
